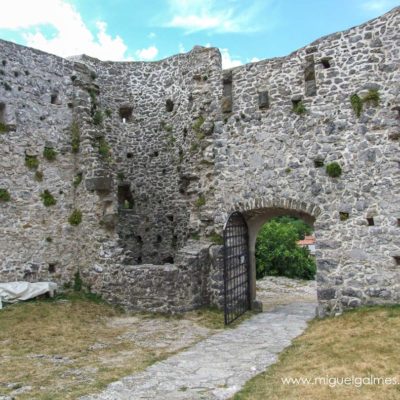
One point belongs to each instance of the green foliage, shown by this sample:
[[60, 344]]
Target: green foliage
[[201, 201], [301, 227], [299, 108], [356, 104], [194, 147], [31, 162], [334, 170], [216, 239], [75, 218], [98, 117], [288, 170], [49, 154], [3, 128], [198, 124], [372, 97], [277, 253], [108, 113], [38, 176], [75, 137], [121, 176], [195, 236], [4, 195], [344, 216], [49, 239], [104, 148], [78, 283], [48, 199], [77, 179]]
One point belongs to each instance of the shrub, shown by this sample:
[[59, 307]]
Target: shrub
[[75, 218], [278, 254], [48, 199], [216, 239], [201, 201], [49, 154], [4, 195], [356, 104], [75, 137], [334, 170], [98, 117], [108, 113], [31, 162], [198, 123], [299, 108], [372, 97]]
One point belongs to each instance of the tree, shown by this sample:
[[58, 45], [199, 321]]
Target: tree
[[301, 227], [277, 252]]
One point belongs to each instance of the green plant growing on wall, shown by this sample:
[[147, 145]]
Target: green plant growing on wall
[[78, 283], [372, 97], [104, 148], [356, 104], [216, 238], [201, 201], [343, 216], [121, 176], [49, 154], [75, 218], [98, 117], [299, 108], [75, 137], [334, 170], [194, 147], [49, 239], [48, 199], [4, 195], [3, 128], [78, 179], [38, 176], [31, 162], [108, 113], [198, 123]]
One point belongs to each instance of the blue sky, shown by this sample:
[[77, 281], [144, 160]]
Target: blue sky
[[244, 30]]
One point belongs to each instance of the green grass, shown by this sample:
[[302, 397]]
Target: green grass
[[299, 108], [49, 154], [75, 218], [334, 170], [4, 195], [358, 343], [31, 162], [201, 201], [48, 199], [356, 104]]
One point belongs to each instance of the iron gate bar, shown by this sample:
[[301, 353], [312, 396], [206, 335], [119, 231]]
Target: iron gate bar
[[236, 268]]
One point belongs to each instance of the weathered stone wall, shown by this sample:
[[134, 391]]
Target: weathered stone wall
[[265, 151], [168, 149]]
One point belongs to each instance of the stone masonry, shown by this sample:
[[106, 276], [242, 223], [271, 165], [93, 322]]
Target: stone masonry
[[155, 156]]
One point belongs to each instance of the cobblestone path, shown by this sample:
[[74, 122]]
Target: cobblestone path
[[219, 366]]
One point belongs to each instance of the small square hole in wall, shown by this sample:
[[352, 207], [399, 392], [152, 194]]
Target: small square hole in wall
[[129, 155], [370, 221], [326, 63], [398, 222], [2, 113], [169, 105], [54, 99], [126, 113], [52, 268], [396, 260]]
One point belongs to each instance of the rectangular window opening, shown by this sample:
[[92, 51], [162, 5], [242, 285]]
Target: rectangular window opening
[[370, 221]]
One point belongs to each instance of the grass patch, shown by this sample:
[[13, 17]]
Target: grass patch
[[356, 104], [3, 128], [201, 201], [359, 343], [104, 148], [38, 176], [48, 199], [372, 97], [334, 170], [299, 108], [49, 154], [4, 195], [98, 118], [31, 162], [75, 218], [78, 179]]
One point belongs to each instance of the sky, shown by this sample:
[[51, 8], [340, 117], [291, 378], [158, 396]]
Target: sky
[[150, 30]]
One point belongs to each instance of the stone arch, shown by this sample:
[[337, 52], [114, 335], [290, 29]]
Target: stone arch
[[259, 210]]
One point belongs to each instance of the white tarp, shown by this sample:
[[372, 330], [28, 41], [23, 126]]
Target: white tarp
[[12, 292]]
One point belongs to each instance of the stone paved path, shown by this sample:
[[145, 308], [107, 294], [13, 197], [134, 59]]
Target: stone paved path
[[219, 366]]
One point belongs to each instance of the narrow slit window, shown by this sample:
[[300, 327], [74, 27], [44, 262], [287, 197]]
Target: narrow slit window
[[54, 99], [396, 260], [125, 198], [326, 63], [126, 114], [227, 93], [370, 221], [2, 113], [169, 105]]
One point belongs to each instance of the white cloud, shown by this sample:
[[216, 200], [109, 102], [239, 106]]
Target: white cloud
[[198, 15], [379, 6], [181, 48], [151, 35], [72, 36], [228, 61], [147, 54], [254, 59]]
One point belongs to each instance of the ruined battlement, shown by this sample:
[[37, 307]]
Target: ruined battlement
[[128, 171]]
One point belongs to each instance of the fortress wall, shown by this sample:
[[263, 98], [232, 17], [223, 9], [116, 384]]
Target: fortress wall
[[270, 153]]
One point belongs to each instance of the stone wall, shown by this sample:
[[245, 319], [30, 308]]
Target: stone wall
[[168, 149]]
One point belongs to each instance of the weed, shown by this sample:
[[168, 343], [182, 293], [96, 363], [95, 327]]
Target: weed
[[98, 117], [216, 238], [333, 169], [356, 104], [372, 97], [120, 176], [48, 199], [343, 216], [108, 113], [198, 124], [31, 162], [3, 128], [78, 283], [299, 108], [104, 148], [78, 179], [75, 218], [49, 154], [49, 239], [201, 201], [4, 195], [38, 176]]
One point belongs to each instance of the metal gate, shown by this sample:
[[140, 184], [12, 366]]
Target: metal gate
[[236, 267]]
